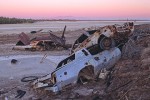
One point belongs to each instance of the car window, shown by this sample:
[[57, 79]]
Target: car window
[[82, 38], [66, 61], [95, 49], [85, 53], [91, 32]]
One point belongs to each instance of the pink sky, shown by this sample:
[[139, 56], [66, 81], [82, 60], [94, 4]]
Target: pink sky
[[91, 9]]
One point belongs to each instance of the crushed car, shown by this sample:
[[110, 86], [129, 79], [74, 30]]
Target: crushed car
[[106, 37], [41, 42]]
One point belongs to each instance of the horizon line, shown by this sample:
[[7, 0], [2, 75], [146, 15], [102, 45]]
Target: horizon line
[[84, 19]]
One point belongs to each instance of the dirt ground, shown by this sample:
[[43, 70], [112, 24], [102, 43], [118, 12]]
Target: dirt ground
[[128, 80]]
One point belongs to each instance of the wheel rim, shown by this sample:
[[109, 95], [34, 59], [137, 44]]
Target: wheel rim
[[106, 43]]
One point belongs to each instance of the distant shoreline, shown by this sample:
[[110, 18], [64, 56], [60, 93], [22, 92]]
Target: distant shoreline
[[7, 20], [85, 20]]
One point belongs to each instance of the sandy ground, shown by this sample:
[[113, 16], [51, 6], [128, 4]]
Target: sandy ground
[[29, 64]]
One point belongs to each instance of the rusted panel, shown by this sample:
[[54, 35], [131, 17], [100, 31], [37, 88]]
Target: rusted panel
[[41, 38], [42, 42], [57, 39], [24, 39], [63, 34]]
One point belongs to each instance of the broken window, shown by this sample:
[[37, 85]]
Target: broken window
[[67, 60], [81, 38], [95, 49], [84, 36], [91, 32], [85, 52]]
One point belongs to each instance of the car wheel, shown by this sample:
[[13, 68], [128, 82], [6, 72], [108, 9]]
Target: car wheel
[[86, 74], [106, 43]]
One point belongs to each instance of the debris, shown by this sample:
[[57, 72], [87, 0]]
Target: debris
[[33, 32], [29, 79], [36, 31], [14, 61], [20, 94], [84, 91], [103, 73], [41, 43], [43, 58], [23, 39]]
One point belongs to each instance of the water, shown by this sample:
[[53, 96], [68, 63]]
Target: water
[[57, 26]]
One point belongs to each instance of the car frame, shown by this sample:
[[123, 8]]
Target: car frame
[[83, 64]]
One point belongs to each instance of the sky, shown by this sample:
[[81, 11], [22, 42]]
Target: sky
[[78, 9]]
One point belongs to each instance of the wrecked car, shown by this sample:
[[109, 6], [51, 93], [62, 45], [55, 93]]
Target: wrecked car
[[106, 37], [41, 42], [91, 52], [84, 64]]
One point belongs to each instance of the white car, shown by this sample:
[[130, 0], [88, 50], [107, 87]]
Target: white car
[[83, 64]]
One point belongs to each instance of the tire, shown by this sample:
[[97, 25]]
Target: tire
[[29, 79], [106, 43]]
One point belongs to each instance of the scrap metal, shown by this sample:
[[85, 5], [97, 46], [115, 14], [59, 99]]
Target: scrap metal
[[41, 43]]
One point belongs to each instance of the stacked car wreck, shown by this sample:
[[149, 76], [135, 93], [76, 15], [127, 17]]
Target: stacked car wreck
[[91, 52], [106, 37]]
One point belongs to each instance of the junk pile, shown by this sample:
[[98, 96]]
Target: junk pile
[[111, 63], [128, 80], [95, 50], [41, 43]]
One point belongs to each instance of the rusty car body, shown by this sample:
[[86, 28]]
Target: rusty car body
[[107, 37], [42, 43]]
